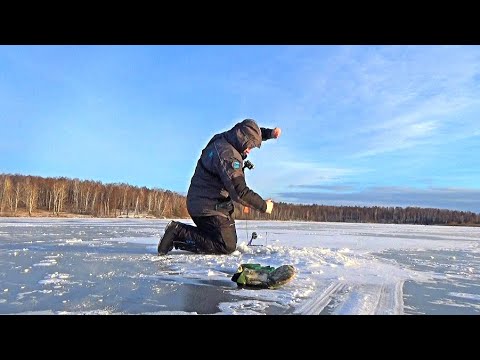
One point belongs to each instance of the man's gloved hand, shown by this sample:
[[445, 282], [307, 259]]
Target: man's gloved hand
[[269, 206], [276, 133]]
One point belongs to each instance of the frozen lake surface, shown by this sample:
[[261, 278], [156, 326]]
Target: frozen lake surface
[[110, 266]]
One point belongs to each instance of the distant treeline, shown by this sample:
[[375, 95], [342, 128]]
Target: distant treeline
[[20, 194], [84, 197], [359, 214]]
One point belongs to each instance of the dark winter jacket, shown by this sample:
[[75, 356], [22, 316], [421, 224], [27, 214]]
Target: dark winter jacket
[[219, 176]]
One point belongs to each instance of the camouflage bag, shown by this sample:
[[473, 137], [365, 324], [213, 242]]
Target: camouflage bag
[[256, 275]]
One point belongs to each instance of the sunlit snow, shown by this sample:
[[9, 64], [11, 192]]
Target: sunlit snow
[[110, 266]]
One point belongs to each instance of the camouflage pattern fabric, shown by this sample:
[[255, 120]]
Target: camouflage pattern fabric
[[265, 277]]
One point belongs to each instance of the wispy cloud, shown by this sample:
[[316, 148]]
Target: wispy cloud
[[374, 99], [434, 121], [280, 166], [423, 90]]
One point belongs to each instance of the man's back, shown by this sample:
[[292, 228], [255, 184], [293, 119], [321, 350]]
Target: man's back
[[206, 186]]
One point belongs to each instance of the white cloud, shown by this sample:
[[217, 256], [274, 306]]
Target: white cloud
[[390, 94], [421, 92], [278, 168]]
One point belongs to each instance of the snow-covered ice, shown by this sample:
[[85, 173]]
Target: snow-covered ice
[[110, 266]]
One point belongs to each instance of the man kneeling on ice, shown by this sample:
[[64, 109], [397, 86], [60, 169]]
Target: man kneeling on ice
[[218, 180]]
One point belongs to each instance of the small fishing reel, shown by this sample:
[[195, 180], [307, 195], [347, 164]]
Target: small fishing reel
[[248, 164]]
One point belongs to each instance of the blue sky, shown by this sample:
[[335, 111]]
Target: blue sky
[[361, 125]]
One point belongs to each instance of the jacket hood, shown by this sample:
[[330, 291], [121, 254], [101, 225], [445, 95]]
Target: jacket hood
[[244, 134]]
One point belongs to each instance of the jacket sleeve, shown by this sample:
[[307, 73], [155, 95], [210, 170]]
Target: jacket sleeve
[[233, 179], [266, 133], [249, 196]]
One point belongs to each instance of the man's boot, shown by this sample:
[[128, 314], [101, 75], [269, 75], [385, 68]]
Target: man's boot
[[166, 242], [187, 245]]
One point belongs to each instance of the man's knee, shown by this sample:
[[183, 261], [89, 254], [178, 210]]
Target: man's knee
[[230, 241], [230, 248]]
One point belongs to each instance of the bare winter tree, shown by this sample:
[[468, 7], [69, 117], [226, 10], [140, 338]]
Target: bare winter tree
[[31, 193], [76, 195], [17, 195], [5, 192], [59, 194]]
